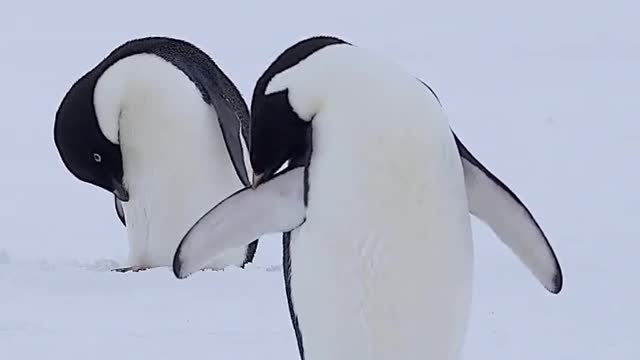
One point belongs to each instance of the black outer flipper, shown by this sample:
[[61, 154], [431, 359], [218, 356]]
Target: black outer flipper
[[217, 90], [234, 119], [119, 210]]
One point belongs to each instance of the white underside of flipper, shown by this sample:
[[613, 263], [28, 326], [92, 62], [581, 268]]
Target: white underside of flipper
[[275, 206], [491, 202]]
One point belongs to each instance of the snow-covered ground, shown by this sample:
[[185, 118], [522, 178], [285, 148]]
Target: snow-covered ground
[[544, 94]]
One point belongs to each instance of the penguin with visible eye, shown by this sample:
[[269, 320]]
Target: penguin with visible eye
[[374, 205], [159, 125]]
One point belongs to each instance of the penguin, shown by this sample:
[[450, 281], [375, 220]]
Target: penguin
[[374, 205], [158, 124]]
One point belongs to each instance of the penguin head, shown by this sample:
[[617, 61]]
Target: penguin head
[[283, 105], [85, 150]]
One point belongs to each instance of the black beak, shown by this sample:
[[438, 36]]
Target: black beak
[[120, 192], [257, 180], [260, 178]]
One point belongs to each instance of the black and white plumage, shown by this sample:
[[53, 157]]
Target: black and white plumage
[[158, 124], [374, 206]]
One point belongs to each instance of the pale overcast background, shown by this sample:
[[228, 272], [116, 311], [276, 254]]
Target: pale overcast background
[[544, 93]]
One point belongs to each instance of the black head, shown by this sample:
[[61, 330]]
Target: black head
[[83, 147], [85, 150], [278, 134]]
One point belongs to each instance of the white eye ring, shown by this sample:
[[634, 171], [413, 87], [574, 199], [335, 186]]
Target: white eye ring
[[97, 157]]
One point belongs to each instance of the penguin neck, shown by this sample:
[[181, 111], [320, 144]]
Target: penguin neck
[[175, 161]]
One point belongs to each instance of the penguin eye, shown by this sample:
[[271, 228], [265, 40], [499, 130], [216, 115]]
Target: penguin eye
[[97, 157]]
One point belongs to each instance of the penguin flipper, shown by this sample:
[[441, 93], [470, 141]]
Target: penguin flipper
[[491, 201], [276, 205], [234, 119], [119, 210]]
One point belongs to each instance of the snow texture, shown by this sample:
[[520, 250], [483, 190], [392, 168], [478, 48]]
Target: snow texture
[[543, 93]]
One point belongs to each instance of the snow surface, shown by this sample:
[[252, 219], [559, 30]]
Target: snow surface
[[544, 93]]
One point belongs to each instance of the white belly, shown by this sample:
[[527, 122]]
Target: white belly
[[175, 160], [173, 186], [382, 267]]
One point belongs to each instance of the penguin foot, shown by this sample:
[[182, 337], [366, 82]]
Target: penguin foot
[[130, 269]]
